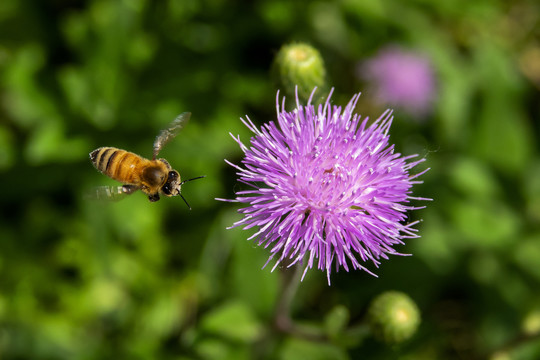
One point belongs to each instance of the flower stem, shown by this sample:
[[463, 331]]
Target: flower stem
[[515, 343], [282, 317]]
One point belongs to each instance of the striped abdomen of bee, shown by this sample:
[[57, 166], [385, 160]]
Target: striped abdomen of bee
[[128, 168]]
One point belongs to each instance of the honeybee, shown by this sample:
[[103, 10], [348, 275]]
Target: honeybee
[[152, 177]]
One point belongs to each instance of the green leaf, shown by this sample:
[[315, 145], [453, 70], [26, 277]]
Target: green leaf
[[253, 284], [486, 224], [503, 135], [27, 103], [473, 178], [531, 191], [366, 10], [485, 268], [48, 143], [294, 349], [216, 349], [160, 317], [436, 247], [7, 148], [455, 93], [233, 320], [527, 255]]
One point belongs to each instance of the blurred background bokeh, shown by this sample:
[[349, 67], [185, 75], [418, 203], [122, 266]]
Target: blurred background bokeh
[[140, 280]]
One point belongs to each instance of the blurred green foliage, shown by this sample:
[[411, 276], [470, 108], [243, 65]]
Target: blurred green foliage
[[140, 280]]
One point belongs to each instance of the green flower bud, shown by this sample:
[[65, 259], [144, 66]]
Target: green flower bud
[[299, 65], [531, 323], [336, 320], [393, 317]]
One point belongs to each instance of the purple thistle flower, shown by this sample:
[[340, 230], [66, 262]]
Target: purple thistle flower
[[402, 78], [325, 187]]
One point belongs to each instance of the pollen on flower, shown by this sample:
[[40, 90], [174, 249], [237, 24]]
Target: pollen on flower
[[326, 188]]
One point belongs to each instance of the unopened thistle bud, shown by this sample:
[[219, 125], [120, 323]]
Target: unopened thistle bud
[[299, 65], [393, 317], [336, 320], [531, 323]]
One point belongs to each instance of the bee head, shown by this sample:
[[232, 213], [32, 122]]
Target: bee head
[[172, 185]]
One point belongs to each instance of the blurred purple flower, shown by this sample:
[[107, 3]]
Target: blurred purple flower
[[325, 187], [401, 78]]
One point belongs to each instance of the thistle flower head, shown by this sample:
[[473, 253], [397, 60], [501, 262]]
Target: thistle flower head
[[326, 187], [402, 78]]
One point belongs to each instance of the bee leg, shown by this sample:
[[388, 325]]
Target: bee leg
[[153, 197], [129, 189]]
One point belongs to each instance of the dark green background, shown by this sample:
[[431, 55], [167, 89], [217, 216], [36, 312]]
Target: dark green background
[[140, 280]]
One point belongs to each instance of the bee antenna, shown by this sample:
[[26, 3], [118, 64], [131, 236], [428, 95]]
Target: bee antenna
[[198, 177], [183, 198], [185, 181]]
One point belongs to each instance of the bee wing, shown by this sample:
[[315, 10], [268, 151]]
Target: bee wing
[[110, 193], [168, 134]]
